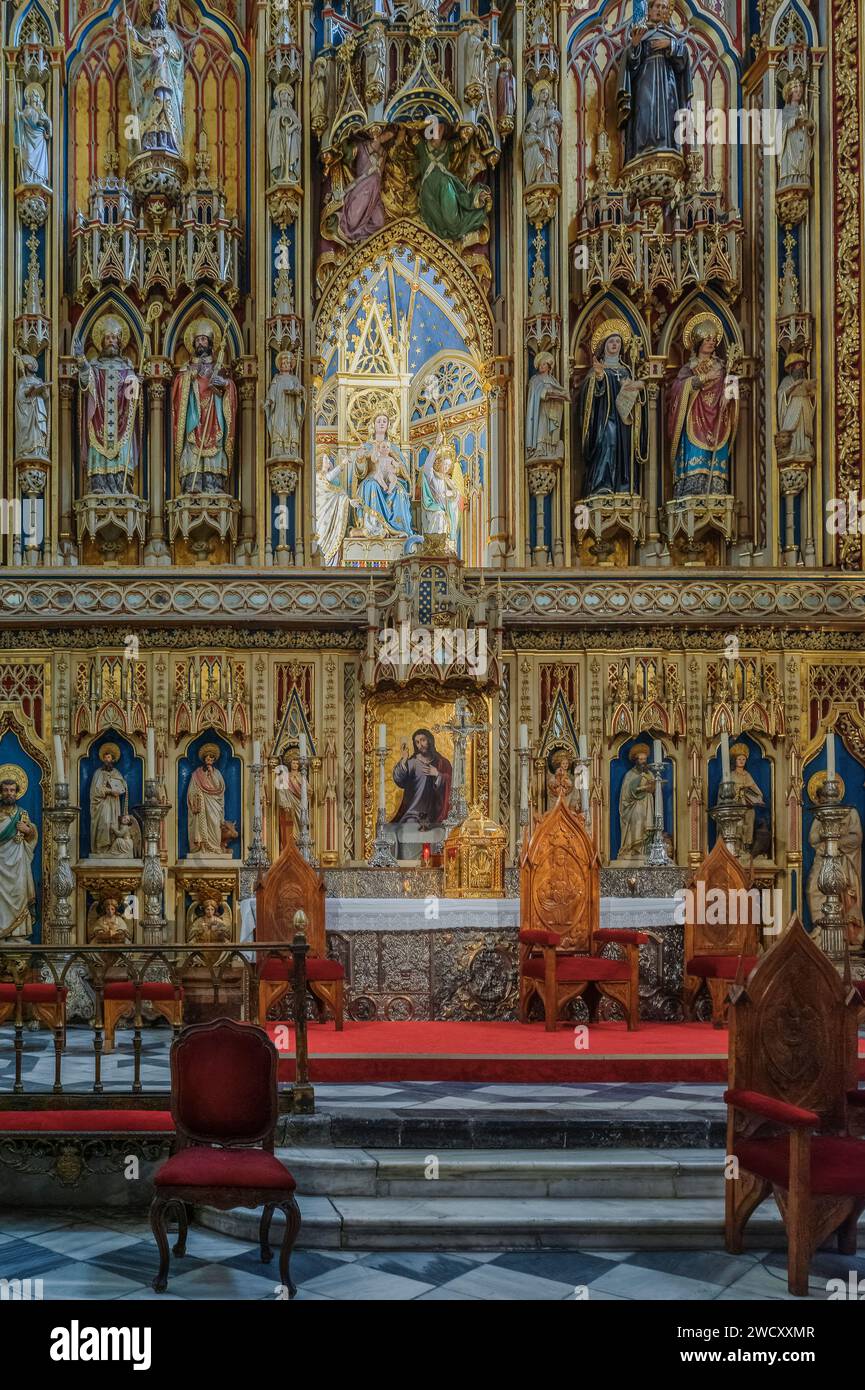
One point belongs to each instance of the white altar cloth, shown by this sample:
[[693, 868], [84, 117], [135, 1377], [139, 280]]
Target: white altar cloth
[[458, 914]]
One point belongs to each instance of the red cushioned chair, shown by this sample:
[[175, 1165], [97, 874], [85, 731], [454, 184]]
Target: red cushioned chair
[[560, 943], [224, 1108], [793, 1059], [48, 1003], [717, 952], [120, 998], [291, 885]]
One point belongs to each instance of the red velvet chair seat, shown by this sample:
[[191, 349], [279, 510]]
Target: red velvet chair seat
[[574, 969], [721, 967], [837, 1163], [201, 1167], [33, 994], [317, 968], [151, 989]]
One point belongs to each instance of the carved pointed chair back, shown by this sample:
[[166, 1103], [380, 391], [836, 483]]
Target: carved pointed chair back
[[560, 940], [292, 885], [792, 1062], [722, 913]]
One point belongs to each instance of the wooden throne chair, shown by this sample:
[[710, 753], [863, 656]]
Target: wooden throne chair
[[291, 885], [560, 940], [792, 1075], [224, 1107], [714, 951]]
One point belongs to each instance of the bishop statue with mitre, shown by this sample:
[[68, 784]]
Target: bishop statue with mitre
[[204, 413]]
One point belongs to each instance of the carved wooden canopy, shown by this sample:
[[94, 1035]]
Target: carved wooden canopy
[[793, 1028], [291, 885], [721, 918], [560, 880]]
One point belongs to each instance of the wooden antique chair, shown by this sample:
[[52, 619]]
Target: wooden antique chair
[[121, 998], [292, 885], [560, 941], [792, 1074], [714, 950], [47, 1001], [224, 1107]]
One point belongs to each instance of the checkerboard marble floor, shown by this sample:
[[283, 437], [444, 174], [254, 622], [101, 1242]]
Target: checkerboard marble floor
[[117, 1072], [106, 1255]]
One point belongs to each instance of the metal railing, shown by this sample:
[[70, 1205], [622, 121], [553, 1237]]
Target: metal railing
[[232, 971]]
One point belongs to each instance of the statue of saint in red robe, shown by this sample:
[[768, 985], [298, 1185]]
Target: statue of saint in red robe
[[204, 416]]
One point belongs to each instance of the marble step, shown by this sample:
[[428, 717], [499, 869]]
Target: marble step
[[369, 1127], [503, 1223], [424, 1173]]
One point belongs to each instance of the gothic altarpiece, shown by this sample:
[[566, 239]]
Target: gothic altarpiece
[[397, 402]]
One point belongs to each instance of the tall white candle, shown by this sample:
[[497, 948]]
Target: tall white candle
[[302, 745], [59, 760], [256, 752], [725, 756], [584, 747], [657, 751], [382, 737], [830, 756], [524, 736], [150, 764], [256, 797], [659, 801]]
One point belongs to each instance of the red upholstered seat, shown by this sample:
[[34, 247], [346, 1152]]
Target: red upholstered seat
[[150, 989], [33, 994], [572, 969], [837, 1163], [224, 1092], [721, 967], [200, 1167], [859, 986], [317, 968]]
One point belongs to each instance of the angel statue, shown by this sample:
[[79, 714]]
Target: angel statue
[[442, 491], [332, 508]]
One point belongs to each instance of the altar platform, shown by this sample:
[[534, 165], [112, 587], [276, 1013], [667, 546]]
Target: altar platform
[[512, 1052]]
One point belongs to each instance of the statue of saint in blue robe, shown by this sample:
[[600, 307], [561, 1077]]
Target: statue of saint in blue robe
[[610, 425], [654, 85]]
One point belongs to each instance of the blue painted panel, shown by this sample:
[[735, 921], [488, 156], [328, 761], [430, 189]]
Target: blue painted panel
[[229, 766]]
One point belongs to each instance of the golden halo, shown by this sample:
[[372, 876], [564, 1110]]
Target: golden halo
[[740, 749], [112, 749], [607, 329], [637, 749], [202, 326], [211, 748], [542, 86], [696, 320], [11, 772], [33, 89], [793, 358], [109, 323], [818, 781]]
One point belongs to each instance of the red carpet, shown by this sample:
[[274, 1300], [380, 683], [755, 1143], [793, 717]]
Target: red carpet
[[510, 1052]]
